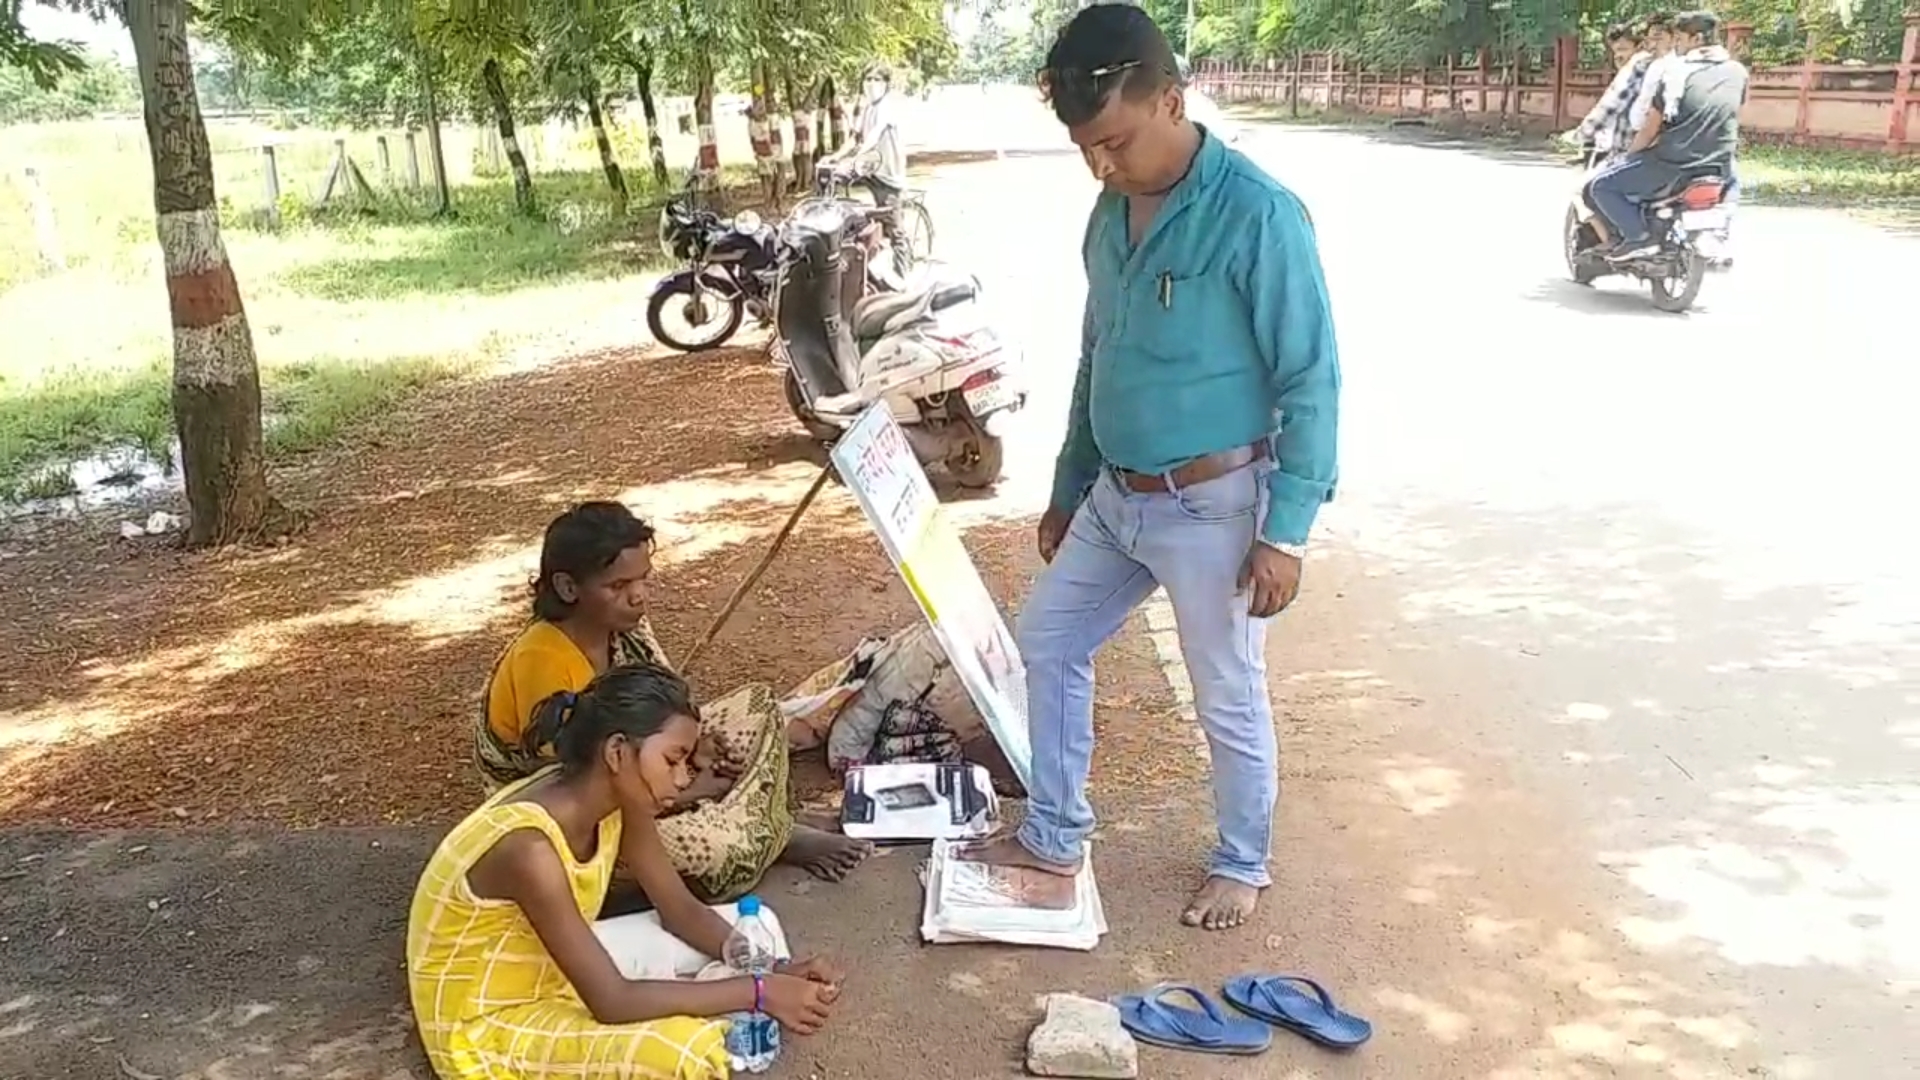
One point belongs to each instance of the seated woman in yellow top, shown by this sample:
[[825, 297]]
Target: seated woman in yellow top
[[509, 978], [589, 610]]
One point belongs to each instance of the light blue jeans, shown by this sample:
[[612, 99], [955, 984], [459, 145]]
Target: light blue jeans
[[1121, 544]]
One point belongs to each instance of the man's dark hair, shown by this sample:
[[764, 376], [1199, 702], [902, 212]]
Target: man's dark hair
[[1659, 20], [1621, 31], [1104, 50], [1705, 24]]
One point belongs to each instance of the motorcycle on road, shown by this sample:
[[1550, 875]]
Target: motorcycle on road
[[1684, 225]]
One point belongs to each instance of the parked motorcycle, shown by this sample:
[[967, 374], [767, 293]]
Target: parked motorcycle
[[729, 274], [1683, 224], [925, 349]]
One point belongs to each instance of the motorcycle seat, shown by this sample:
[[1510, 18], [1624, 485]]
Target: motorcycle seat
[[883, 313]]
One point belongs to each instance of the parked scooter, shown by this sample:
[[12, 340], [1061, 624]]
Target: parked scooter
[[729, 274], [925, 349]]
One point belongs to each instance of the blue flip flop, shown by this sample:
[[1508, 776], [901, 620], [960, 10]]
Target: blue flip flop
[[1153, 1020], [1298, 1004]]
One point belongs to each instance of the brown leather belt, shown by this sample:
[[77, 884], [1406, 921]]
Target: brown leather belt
[[1197, 471]]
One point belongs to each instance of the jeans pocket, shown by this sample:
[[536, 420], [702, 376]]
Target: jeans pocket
[[1223, 498]]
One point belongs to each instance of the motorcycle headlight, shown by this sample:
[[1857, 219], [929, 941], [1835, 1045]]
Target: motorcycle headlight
[[746, 221], [666, 233]]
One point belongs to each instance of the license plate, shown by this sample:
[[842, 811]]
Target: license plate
[[994, 396], [1703, 220]]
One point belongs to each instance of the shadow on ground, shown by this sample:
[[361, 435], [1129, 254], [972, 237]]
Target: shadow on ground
[[333, 680]]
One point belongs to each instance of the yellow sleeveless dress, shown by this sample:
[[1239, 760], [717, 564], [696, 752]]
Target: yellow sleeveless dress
[[490, 1002]]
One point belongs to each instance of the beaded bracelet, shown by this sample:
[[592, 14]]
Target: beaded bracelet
[[759, 994]]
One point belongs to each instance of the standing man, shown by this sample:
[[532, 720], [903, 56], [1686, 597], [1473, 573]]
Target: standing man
[[1200, 445]]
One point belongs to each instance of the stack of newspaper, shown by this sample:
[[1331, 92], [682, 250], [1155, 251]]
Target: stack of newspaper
[[970, 901]]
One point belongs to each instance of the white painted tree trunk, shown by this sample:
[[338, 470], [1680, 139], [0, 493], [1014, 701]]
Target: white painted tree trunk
[[216, 377]]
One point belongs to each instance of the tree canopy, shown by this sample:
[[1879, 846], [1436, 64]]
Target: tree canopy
[[1386, 33]]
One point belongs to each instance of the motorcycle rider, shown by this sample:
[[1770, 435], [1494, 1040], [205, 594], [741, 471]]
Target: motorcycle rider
[[877, 154], [1692, 126]]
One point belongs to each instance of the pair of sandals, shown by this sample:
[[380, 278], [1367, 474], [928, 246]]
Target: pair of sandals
[[1292, 1003]]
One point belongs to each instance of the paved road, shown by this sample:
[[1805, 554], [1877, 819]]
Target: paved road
[[1650, 577]]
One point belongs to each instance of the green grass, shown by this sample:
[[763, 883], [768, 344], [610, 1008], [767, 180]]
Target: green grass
[[1847, 178], [352, 310]]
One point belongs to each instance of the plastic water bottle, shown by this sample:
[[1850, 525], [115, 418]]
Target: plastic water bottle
[[753, 1038]]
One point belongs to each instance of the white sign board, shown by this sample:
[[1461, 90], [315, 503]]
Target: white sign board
[[878, 466]]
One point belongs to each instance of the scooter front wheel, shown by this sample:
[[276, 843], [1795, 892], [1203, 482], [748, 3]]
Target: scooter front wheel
[[797, 405]]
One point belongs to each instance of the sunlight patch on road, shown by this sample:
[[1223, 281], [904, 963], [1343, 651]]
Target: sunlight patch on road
[[1815, 876], [1422, 787]]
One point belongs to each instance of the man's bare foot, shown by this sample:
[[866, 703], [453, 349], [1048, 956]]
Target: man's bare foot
[[1007, 851], [827, 856], [1221, 904]]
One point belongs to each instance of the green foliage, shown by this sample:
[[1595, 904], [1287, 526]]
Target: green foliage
[[98, 85], [1385, 33]]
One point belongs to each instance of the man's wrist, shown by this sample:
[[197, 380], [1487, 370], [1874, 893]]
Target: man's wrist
[[1293, 551]]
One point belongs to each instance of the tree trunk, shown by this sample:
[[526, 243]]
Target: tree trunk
[[836, 116], [438, 152], [616, 180], [216, 377], [656, 148], [708, 171], [757, 122], [503, 119], [802, 134], [776, 134]]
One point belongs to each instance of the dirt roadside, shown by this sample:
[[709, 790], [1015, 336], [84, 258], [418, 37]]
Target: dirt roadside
[[1415, 879]]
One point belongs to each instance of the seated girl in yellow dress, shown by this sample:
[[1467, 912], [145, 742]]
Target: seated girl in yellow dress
[[589, 613], [509, 977]]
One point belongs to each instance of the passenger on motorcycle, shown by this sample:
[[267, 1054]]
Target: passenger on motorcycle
[[1605, 126], [1611, 125], [1692, 127]]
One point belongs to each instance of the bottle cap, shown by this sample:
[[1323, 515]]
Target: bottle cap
[[748, 905]]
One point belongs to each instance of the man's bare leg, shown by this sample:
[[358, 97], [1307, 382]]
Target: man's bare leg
[[1221, 904]]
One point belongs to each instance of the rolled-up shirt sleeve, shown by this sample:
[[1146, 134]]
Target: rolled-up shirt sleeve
[[1293, 326]]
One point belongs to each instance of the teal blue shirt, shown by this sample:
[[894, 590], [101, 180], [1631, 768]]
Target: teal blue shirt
[[1212, 334]]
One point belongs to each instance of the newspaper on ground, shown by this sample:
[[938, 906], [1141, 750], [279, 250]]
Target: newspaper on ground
[[916, 801], [970, 901]]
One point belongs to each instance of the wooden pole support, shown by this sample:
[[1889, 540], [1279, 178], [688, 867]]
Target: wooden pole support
[[753, 576]]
